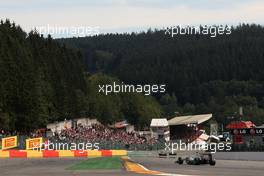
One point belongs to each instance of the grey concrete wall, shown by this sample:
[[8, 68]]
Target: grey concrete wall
[[246, 156], [251, 156]]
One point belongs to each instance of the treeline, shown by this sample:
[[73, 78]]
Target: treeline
[[136, 108], [39, 79], [43, 81], [202, 74]]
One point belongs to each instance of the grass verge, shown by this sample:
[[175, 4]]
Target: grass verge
[[98, 163]]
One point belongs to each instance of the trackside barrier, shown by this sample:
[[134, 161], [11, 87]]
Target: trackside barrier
[[4, 154], [60, 153]]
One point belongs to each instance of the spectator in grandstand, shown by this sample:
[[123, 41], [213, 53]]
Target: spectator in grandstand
[[98, 133]]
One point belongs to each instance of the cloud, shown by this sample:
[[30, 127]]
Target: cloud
[[201, 4]]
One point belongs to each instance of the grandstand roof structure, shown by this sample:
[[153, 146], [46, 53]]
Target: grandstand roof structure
[[190, 119], [159, 123]]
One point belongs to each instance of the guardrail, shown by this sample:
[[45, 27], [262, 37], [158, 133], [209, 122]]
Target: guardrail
[[60, 153]]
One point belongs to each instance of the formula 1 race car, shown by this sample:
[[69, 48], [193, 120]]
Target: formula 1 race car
[[204, 158]]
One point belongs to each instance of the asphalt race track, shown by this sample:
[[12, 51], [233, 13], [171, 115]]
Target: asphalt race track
[[57, 167], [50, 167], [222, 167]]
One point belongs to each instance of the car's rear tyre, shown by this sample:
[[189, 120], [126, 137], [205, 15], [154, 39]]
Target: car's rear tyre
[[212, 162], [180, 160]]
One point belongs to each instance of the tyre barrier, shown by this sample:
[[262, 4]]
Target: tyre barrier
[[60, 153]]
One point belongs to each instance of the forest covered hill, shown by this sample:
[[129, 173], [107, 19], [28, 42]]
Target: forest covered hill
[[43, 81], [202, 74]]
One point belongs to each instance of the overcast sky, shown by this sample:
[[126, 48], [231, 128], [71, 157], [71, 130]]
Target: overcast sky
[[130, 15]]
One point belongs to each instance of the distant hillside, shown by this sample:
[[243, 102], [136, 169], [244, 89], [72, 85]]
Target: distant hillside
[[43, 81], [202, 74]]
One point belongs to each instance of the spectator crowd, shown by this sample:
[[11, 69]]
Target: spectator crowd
[[107, 137], [99, 133]]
